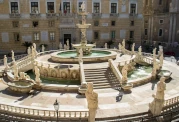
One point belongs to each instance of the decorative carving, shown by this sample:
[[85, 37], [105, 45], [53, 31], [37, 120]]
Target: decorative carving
[[37, 74], [106, 46], [124, 73], [13, 59], [15, 69], [63, 74]]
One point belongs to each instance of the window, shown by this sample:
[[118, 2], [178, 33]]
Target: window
[[96, 23], [15, 24], [131, 36], [52, 36], [161, 21], [14, 7], [160, 2], [51, 23], [160, 33], [133, 8], [35, 24], [16, 37], [132, 23], [96, 8], [50, 7], [146, 32], [79, 7], [66, 7], [36, 36], [113, 23], [113, 34], [96, 35], [146, 2], [34, 7], [113, 7]]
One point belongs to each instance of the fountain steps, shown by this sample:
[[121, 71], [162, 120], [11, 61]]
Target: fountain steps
[[102, 78]]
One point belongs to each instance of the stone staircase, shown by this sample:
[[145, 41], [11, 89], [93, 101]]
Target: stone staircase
[[102, 78]]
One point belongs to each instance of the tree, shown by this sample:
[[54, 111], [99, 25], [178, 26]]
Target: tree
[[27, 44], [129, 43], [110, 43]]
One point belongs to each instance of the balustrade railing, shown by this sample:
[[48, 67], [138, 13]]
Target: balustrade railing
[[83, 113]]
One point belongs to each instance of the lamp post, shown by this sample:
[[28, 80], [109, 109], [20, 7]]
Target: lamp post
[[56, 107]]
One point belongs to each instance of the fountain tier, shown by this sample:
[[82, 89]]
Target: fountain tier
[[71, 56]]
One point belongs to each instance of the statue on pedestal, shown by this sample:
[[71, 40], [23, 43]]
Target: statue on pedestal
[[92, 99], [140, 50], [60, 46], [80, 55], [5, 62], [13, 59], [65, 46], [29, 51], [157, 104], [43, 48], [106, 46], [120, 46], [123, 43], [37, 74], [133, 47], [161, 59], [124, 74], [154, 52], [83, 6]]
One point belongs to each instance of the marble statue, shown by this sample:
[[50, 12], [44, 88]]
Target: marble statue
[[140, 50], [157, 104], [123, 43], [124, 73], [83, 6], [34, 51], [133, 47], [43, 48], [29, 51], [68, 45], [13, 59], [161, 59], [154, 51], [92, 100], [65, 46], [154, 70], [95, 44], [120, 46], [24, 76], [80, 56], [5, 63], [60, 45], [15, 70], [106, 46], [34, 45], [37, 75]]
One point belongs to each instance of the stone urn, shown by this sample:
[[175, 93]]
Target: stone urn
[[127, 86], [164, 73], [21, 86]]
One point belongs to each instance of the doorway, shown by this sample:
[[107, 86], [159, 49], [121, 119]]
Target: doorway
[[67, 37]]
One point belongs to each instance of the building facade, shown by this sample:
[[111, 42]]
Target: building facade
[[160, 22], [53, 21]]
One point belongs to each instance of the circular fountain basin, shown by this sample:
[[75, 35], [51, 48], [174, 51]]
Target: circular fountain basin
[[20, 86], [164, 73], [95, 56]]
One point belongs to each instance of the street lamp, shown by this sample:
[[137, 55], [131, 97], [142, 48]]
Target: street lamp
[[56, 107]]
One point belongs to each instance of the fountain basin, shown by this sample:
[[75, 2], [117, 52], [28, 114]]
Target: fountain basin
[[20, 86], [95, 56], [164, 73]]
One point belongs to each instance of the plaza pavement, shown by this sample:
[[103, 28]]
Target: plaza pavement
[[111, 102]]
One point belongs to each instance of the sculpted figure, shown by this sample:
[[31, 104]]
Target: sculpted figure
[[154, 52], [124, 73], [140, 50], [106, 46], [133, 47], [123, 43], [29, 50], [161, 59], [83, 6], [5, 61], [92, 99], [37, 74], [43, 48], [65, 46], [157, 104], [13, 59], [60, 46], [80, 57], [120, 46]]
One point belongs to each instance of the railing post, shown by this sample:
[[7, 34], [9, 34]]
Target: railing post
[[171, 115]]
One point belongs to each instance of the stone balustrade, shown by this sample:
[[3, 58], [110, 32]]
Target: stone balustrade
[[171, 101], [83, 113], [115, 69]]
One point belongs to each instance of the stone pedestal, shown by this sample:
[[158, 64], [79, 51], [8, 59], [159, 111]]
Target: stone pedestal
[[156, 106], [92, 114]]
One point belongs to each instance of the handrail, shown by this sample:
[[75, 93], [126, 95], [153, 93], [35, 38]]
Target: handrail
[[63, 113], [115, 70]]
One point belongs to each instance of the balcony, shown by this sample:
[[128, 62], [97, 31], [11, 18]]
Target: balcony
[[96, 15], [50, 15], [114, 15], [14, 15], [133, 15], [34, 15]]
